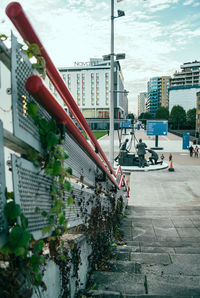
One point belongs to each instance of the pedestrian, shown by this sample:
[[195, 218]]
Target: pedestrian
[[196, 151], [170, 157], [162, 157], [191, 149]]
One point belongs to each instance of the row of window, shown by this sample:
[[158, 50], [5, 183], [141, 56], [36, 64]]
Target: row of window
[[80, 90]]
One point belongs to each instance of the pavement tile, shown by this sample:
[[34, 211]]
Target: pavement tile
[[150, 258], [125, 266], [164, 223], [182, 222], [143, 231], [177, 213], [122, 255], [187, 250], [171, 269], [160, 249], [185, 259], [163, 233], [123, 282], [191, 240], [177, 286], [128, 248], [188, 232], [196, 222]]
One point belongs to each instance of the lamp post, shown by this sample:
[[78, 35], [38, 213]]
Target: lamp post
[[112, 54]]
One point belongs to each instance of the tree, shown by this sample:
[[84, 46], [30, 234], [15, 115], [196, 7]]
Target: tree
[[162, 113], [177, 117], [141, 116], [130, 116], [191, 118]]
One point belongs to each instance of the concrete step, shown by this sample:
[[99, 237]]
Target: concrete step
[[182, 269], [122, 282], [111, 294], [152, 285], [187, 243]]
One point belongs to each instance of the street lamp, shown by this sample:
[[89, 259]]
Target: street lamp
[[120, 14]]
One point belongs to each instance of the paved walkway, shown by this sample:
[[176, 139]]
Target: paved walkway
[[161, 255]]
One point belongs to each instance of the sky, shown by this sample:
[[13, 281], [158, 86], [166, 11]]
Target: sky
[[157, 36]]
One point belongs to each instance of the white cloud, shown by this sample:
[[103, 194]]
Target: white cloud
[[188, 2], [75, 30]]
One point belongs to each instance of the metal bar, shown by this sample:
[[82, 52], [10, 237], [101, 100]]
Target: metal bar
[[39, 91], [112, 87], [16, 14]]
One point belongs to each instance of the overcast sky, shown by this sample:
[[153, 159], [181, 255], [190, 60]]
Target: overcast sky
[[156, 35]]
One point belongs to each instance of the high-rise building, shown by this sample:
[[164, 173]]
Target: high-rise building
[[89, 84], [157, 93], [188, 76], [142, 98], [184, 86], [198, 114]]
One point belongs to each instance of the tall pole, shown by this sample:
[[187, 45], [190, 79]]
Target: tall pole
[[112, 87]]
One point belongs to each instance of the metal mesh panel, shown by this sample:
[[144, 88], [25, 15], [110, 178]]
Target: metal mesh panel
[[82, 166], [23, 125], [76, 213], [31, 189], [84, 200], [3, 226]]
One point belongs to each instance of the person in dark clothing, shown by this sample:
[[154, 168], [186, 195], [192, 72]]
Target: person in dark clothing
[[124, 145], [191, 149], [154, 157], [141, 153]]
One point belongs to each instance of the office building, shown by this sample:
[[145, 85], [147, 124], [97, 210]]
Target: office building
[[142, 98], [188, 76], [198, 113], [89, 84], [157, 94], [184, 86]]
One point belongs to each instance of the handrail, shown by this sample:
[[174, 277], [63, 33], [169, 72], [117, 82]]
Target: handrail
[[39, 91], [18, 17]]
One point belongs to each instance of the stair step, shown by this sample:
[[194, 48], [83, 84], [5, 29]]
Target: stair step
[[128, 283], [172, 243], [173, 285], [181, 269], [125, 266], [110, 294], [137, 285], [150, 258]]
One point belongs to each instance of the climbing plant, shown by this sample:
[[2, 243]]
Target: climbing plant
[[22, 253]]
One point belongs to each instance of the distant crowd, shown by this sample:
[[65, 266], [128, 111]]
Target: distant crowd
[[194, 151]]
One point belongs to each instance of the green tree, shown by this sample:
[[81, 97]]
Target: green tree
[[147, 115], [130, 116], [191, 118], [141, 116], [162, 113], [177, 117]]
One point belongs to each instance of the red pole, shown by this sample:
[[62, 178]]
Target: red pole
[[39, 91], [15, 12]]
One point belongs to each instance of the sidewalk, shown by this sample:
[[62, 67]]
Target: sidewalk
[[160, 256]]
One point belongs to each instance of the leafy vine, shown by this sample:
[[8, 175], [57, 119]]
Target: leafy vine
[[22, 254]]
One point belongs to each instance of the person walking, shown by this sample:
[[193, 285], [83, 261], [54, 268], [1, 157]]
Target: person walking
[[191, 149], [170, 157], [162, 157], [196, 151]]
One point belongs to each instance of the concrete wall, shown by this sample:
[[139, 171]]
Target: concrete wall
[[54, 276]]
